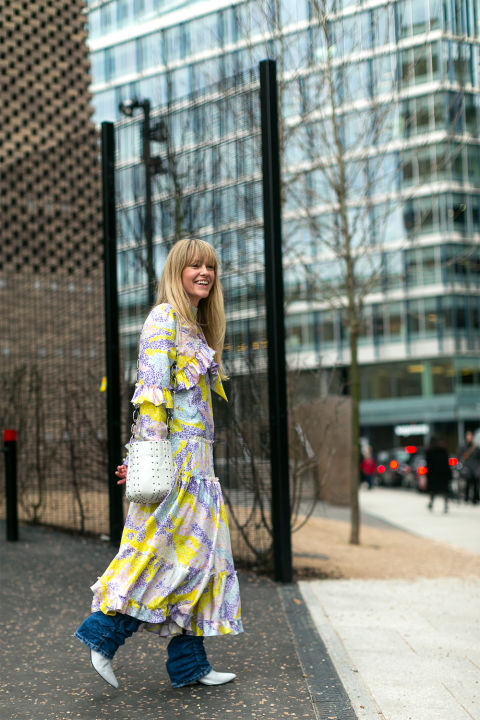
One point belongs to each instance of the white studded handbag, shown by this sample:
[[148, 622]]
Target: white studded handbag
[[151, 470]]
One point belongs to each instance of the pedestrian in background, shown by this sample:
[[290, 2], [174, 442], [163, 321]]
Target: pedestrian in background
[[174, 570], [469, 456], [368, 467], [438, 472]]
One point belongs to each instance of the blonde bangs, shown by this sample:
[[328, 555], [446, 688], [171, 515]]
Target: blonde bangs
[[199, 251]]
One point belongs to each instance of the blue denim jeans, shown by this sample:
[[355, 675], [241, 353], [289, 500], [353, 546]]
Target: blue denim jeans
[[105, 633], [187, 660]]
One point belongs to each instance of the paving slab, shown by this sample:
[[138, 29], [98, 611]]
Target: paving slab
[[406, 649], [407, 509], [426, 668]]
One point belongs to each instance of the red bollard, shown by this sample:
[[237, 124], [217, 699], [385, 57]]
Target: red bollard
[[10, 450]]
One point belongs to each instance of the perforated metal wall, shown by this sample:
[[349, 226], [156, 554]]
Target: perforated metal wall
[[51, 276]]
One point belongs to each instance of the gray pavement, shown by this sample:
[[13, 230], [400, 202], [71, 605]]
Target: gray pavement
[[283, 669], [346, 650], [407, 509], [406, 650]]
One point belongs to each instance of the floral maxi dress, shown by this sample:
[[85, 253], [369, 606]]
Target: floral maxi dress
[[174, 569]]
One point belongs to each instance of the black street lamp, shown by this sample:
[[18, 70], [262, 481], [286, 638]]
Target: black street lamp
[[153, 166]]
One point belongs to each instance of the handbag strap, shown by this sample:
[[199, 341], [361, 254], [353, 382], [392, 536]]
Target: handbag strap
[[169, 411]]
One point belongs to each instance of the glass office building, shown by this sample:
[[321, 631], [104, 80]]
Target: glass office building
[[419, 348]]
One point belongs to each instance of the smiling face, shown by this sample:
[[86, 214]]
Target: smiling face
[[198, 278]]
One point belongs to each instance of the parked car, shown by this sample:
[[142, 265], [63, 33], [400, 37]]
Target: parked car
[[394, 467]]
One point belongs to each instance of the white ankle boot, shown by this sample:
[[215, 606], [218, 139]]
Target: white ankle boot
[[103, 666], [216, 678]]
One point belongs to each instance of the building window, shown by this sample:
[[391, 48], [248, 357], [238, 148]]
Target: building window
[[376, 382], [293, 332], [383, 24], [121, 60], [414, 319], [419, 17], [108, 19], [293, 11], [394, 269], [176, 43], [180, 83], [366, 333], [436, 14], [430, 317], [386, 381], [459, 17], [150, 51], [395, 321], [378, 323], [154, 88], [327, 328], [458, 63], [471, 113], [97, 64], [206, 73], [430, 266], [408, 379], [95, 23], [443, 377], [105, 106], [458, 213], [204, 33]]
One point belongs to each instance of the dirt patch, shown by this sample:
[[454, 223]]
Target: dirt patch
[[322, 550]]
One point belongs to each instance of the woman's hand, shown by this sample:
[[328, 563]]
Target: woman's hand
[[121, 472]]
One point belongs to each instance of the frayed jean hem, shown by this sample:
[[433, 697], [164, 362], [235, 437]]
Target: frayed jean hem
[[92, 645]]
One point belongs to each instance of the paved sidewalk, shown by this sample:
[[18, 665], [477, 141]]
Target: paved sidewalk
[[406, 650], [283, 669], [407, 509]]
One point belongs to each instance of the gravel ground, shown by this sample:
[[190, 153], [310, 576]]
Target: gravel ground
[[322, 550]]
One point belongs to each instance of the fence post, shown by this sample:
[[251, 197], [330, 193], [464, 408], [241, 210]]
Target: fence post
[[10, 450], [274, 298], [112, 354]]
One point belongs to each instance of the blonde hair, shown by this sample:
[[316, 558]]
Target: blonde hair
[[210, 314]]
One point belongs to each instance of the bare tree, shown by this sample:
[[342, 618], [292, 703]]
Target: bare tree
[[336, 130], [339, 125]]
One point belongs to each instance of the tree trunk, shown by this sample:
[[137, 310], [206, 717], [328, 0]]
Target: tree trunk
[[355, 429]]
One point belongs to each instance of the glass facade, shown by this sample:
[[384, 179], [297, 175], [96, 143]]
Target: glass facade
[[406, 81]]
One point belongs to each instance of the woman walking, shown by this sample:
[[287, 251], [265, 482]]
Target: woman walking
[[174, 571]]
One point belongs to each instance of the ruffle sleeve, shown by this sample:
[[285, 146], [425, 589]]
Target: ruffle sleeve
[[156, 354], [194, 359], [152, 394], [153, 388]]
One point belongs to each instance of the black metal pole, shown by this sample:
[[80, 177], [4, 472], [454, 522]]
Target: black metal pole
[[111, 331], [277, 378], [10, 450], [148, 202]]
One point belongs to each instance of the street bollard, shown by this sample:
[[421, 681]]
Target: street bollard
[[10, 450]]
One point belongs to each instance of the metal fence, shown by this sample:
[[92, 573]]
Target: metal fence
[[209, 185]]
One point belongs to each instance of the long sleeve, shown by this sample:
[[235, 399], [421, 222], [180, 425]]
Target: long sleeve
[[153, 390]]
